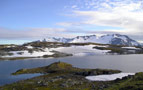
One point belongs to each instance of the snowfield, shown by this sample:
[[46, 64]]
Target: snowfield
[[108, 77], [81, 50], [75, 50]]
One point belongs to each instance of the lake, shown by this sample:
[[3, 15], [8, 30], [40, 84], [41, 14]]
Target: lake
[[125, 63]]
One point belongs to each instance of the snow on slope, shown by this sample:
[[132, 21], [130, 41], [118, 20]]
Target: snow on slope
[[108, 77], [75, 50], [81, 50], [115, 39]]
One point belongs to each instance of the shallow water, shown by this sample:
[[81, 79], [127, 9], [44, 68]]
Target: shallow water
[[125, 63]]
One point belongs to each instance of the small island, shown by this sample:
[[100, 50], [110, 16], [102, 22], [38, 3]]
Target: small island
[[63, 76]]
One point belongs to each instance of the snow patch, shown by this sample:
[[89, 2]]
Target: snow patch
[[81, 50], [108, 77], [131, 48], [29, 47]]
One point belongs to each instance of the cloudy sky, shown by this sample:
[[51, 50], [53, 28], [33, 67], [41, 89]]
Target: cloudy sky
[[27, 20]]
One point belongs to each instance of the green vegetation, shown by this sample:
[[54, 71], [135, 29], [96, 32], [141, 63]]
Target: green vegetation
[[62, 76]]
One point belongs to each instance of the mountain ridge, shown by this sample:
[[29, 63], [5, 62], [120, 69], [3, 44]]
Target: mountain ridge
[[114, 39]]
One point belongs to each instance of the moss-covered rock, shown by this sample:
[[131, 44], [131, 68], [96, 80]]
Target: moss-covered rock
[[61, 67]]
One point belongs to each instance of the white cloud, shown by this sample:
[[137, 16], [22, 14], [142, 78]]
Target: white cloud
[[126, 14]]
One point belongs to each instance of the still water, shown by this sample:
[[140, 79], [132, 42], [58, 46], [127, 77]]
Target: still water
[[125, 63]]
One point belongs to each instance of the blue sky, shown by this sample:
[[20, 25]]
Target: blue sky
[[17, 14], [28, 20]]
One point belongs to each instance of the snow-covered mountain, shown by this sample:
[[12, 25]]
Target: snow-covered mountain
[[115, 39]]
